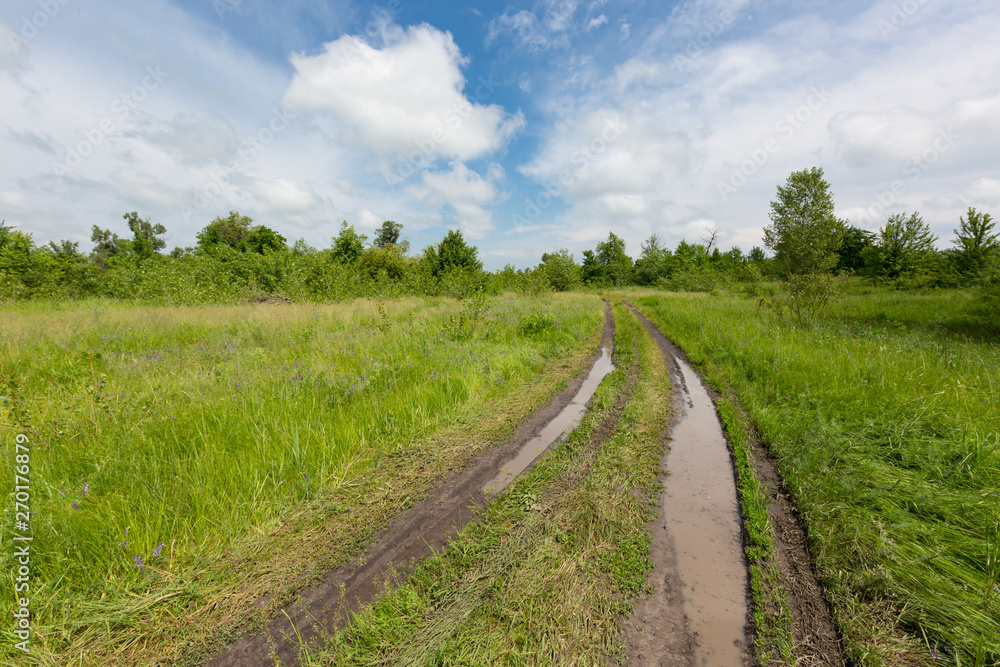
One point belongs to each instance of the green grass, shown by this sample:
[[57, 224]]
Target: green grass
[[885, 428], [211, 429], [543, 577]]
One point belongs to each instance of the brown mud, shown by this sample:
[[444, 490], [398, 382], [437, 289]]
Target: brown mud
[[423, 529], [562, 424], [697, 614], [661, 615]]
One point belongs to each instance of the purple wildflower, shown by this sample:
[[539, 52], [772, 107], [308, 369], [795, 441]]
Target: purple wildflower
[[138, 560], [75, 506], [63, 491], [158, 549], [934, 652], [124, 544], [85, 490], [996, 588]]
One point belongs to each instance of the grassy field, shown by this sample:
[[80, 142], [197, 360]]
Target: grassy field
[[883, 418], [169, 444]]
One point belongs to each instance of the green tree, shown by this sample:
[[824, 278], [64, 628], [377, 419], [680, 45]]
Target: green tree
[[975, 246], [804, 234], [756, 255], [903, 248], [607, 264], [348, 245], [231, 231], [387, 261], [560, 270], [454, 253], [106, 245], [850, 255], [388, 234], [263, 239], [145, 242], [655, 262]]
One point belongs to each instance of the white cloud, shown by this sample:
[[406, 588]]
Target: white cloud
[[864, 122], [596, 22], [635, 70], [284, 196], [984, 191], [403, 98], [465, 192]]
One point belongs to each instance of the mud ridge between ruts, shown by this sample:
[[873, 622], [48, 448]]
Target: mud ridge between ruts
[[817, 640], [414, 534]]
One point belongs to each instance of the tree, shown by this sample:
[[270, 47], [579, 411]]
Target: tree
[[711, 237], [756, 255], [804, 234], [975, 246], [231, 231], [454, 253], [655, 261], [560, 270], [608, 264], [904, 247], [388, 234], [106, 245], [145, 243], [348, 245], [263, 239], [850, 254]]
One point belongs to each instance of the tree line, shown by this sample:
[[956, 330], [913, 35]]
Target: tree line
[[234, 258]]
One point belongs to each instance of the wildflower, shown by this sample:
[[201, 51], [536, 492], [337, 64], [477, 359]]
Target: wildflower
[[124, 544], [75, 506], [158, 549], [934, 652], [138, 560], [85, 490]]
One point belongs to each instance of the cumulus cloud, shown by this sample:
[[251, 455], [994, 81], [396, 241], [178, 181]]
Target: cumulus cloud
[[465, 193], [406, 96]]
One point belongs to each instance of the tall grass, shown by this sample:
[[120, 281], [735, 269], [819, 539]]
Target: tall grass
[[162, 437], [885, 426]]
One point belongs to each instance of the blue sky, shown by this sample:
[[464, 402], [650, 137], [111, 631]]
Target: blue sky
[[530, 126]]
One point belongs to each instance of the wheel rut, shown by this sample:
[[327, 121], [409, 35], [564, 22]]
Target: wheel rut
[[417, 533], [668, 635]]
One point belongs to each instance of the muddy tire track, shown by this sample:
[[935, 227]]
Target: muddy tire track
[[816, 638], [427, 527]]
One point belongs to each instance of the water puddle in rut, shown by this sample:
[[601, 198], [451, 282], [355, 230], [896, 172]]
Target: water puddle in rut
[[560, 425], [699, 501]]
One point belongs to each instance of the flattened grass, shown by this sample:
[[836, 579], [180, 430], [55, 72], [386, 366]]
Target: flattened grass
[[888, 435]]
